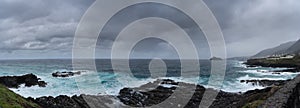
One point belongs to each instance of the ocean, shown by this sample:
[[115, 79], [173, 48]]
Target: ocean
[[110, 81]]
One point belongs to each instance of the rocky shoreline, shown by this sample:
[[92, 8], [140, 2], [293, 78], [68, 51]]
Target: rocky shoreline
[[137, 97], [153, 93]]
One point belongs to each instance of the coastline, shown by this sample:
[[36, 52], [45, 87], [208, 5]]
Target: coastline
[[135, 98], [164, 87]]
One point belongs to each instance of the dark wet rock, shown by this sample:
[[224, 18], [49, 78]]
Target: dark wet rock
[[265, 83], [65, 74], [61, 101], [82, 101], [42, 83], [15, 81], [289, 70], [138, 97]]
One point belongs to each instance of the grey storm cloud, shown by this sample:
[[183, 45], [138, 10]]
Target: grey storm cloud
[[46, 27], [39, 26], [259, 24]]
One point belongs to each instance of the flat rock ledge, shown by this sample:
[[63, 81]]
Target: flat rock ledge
[[286, 97]]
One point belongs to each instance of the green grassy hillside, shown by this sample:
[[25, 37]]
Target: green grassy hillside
[[9, 99]]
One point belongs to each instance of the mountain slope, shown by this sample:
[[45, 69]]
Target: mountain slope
[[276, 50], [295, 48]]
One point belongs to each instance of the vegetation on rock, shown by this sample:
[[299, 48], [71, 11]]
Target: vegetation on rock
[[9, 99]]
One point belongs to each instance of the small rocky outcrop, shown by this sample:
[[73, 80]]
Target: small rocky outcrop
[[215, 58], [15, 81], [65, 74]]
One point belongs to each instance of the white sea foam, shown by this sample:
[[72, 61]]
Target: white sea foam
[[269, 73], [168, 85], [36, 91], [240, 64], [247, 77], [236, 86], [55, 88]]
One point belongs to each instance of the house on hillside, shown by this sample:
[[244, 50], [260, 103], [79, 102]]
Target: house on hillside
[[287, 56], [277, 57]]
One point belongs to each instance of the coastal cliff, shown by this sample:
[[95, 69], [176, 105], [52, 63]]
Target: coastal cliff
[[293, 63]]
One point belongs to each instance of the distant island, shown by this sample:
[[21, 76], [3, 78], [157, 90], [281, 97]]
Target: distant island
[[215, 58]]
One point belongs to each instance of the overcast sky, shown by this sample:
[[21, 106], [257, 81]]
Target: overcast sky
[[46, 28]]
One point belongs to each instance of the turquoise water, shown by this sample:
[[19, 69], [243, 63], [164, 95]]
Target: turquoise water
[[110, 82]]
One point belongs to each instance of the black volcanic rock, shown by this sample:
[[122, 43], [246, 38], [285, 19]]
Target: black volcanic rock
[[82, 101], [61, 101], [65, 74], [15, 81], [136, 98]]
